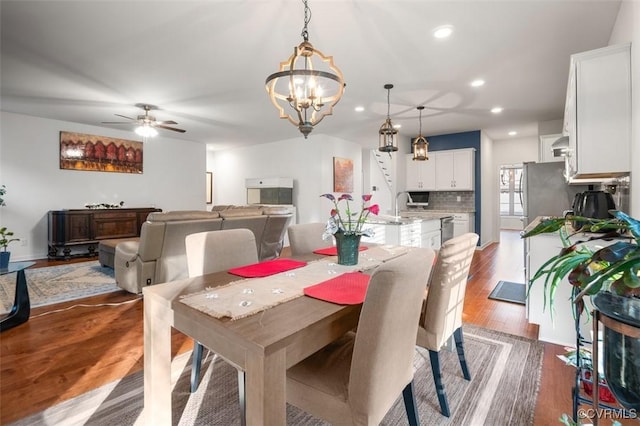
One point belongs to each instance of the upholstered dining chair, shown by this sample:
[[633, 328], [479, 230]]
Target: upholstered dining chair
[[358, 378], [304, 238], [441, 315], [215, 251]]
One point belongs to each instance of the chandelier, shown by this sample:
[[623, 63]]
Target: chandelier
[[420, 144], [308, 84], [388, 134]]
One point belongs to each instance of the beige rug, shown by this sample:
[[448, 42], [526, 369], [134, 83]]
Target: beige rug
[[55, 284], [505, 372]]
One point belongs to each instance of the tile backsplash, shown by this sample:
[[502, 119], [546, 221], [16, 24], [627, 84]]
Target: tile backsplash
[[448, 200]]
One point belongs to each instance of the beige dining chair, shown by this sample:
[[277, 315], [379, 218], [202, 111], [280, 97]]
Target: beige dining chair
[[441, 315], [216, 251], [358, 378], [304, 238]]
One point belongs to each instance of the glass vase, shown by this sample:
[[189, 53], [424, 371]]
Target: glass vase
[[348, 247]]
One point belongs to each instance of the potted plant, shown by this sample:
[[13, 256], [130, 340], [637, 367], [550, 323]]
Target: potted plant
[[5, 236], [347, 226], [611, 276]]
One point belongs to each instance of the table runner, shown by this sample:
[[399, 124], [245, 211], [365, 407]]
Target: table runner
[[246, 297], [333, 250]]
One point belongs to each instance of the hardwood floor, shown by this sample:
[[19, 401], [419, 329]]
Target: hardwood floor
[[55, 357]]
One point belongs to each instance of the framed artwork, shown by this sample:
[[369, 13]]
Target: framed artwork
[[209, 188], [342, 175], [79, 151]]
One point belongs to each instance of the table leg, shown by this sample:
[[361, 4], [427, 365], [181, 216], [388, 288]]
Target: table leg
[[266, 389], [21, 305], [157, 364]]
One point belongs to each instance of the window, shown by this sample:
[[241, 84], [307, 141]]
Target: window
[[511, 190]]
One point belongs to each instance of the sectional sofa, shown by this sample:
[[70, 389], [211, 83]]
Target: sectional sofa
[[159, 254]]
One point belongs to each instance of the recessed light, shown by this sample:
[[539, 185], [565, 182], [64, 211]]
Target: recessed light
[[496, 110], [477, 83], [443, 31], [359, 108], [513, 133]]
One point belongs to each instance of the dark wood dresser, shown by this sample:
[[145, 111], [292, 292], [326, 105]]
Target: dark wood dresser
[[76, 233]]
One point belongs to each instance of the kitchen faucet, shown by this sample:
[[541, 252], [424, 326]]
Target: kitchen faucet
[[397, 213]]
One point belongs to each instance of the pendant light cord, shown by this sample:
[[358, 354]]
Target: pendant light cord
[[388, 103], [307, 18]]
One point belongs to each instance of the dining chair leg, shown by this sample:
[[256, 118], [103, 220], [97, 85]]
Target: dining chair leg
[[434, 357], [457, 335], [195, 366], [241, 397], [410, 404]]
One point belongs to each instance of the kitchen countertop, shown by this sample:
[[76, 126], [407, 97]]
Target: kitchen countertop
[[391, 220]]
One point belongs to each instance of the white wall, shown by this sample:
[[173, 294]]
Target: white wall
[[309, 162], [489, 221], [173, 178], [627, 29]]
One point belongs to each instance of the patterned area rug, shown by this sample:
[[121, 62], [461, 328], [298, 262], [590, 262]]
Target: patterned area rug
[[505, 376], [61, 283]]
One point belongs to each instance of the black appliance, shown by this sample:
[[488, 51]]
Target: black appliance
[[446, 229], [592, 204], [418, 198]]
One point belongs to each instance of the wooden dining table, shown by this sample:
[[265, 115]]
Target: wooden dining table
[[263, 345]]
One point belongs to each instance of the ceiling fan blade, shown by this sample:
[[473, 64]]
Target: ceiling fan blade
[[170, 128], [116, 122], [166, 122], [128, 118]]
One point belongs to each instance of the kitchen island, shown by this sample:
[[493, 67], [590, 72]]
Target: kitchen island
[[403, 231]]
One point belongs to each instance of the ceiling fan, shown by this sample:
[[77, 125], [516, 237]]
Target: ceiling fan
[[147, 123]]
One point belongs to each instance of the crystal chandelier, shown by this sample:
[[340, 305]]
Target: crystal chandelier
[[420, 144], [308, 82], [388, 134]]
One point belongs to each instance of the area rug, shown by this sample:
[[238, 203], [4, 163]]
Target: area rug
[[55, 284], [505, 377], [508, 291]]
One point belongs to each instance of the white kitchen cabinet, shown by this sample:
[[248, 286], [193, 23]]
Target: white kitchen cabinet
[[455, 169], [411, 234], [545, 154], [598, 113], [421, 175]]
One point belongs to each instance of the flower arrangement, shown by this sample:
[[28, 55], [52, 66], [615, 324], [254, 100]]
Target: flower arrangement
[[348, 221]]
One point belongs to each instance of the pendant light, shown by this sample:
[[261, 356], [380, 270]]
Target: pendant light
[[420, 144], [388, 134], [308, 84]]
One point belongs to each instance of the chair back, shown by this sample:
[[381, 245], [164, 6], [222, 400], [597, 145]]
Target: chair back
[[304, 238], [215, 251], [442, 311], [384, 348]]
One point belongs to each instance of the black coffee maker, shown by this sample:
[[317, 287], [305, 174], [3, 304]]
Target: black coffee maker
[[592, 204]]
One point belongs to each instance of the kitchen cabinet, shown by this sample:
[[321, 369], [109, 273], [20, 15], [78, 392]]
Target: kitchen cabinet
[[455, 170], [449, 170], [416, 233], [421, 175], [463, 222], [598, 113]]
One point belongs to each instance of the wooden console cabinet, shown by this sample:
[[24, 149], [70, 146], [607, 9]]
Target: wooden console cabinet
[[76, 233]]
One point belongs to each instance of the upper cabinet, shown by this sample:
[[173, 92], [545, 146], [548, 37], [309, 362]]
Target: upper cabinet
[[421, 175], [455, 170], [450, 170], [598, 114]]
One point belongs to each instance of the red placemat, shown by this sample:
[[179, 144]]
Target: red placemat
[[346, 289], [333, 251], [264, 269]]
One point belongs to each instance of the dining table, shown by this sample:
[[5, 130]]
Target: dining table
[[263, 344]]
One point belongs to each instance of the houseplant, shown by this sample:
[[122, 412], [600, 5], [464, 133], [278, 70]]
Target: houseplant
[[5, 236], [347, 226], [611, 276]]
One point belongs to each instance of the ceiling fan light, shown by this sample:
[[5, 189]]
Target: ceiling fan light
[[146, 131]]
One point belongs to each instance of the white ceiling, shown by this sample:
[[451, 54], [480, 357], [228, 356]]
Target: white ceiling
[[204, 63]]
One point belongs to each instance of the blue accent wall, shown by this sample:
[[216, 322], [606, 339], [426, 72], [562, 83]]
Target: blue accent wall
[[458, 141]]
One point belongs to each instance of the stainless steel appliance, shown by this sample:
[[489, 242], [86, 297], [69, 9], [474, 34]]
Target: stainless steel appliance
[[545, 191], [446, 228]]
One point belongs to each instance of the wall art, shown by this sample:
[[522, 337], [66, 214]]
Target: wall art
[[342, 175], [79, 151]]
